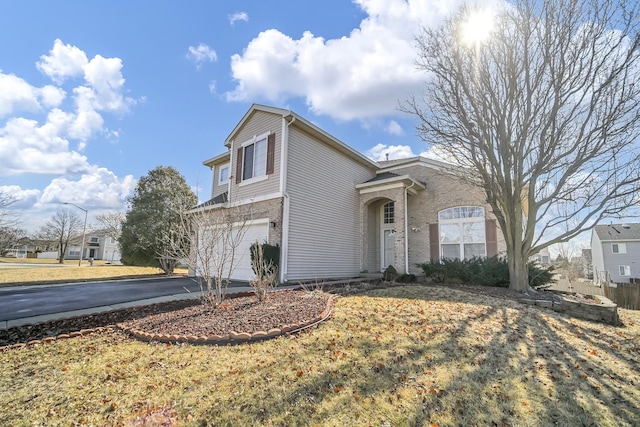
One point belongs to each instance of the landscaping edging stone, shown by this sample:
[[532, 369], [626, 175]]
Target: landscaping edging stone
[[233, 337], [606, 311]]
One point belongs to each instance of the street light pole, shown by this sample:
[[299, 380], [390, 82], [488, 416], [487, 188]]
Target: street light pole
[[84, 230]]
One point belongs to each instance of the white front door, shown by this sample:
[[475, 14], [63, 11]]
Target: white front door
[[388, 248]]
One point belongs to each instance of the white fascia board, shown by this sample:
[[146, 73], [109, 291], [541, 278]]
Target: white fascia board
[[217, 159]]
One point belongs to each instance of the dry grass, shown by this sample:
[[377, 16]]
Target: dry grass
[[69, 272], [400, 356]]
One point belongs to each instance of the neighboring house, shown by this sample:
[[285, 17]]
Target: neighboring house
[[336, 213], [97, 245], [615, 252], [543, 257]]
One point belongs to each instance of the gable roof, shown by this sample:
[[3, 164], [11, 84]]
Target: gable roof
[[295, 119], [618, 232], [389, 165]]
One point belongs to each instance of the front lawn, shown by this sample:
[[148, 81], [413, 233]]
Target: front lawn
[[69, 272], [402, 356]]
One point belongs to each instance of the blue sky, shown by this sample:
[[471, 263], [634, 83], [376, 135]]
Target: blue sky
[[94, 94]]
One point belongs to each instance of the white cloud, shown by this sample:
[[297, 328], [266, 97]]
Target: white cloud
[[380, 152], [104, 76], [100, 188], [29, 145], [202, 53], [23, 197], [26, 147], [393, 128], [18, 95], [63, 61], [359, 76], [238, 16]]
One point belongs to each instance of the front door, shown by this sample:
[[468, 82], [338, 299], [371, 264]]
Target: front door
[[388, 248]]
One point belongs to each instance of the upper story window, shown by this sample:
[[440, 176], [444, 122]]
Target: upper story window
[[255, 158], [619, 248], [462, 232], [93, 239], [223, 175], [388, 213]]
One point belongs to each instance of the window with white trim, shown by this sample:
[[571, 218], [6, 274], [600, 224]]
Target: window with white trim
[[223, 175], [624, 270], [74, 253], [619, 248], [462, 232], [94, 239], [388, 213], [254, 159]]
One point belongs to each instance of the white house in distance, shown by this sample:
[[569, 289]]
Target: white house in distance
[[615, 251], [336, 213], [97, 245]]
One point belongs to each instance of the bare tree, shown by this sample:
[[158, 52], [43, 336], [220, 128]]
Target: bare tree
[[546, 110], [212, 252], [110, 223], [64, 226], [10, 233]]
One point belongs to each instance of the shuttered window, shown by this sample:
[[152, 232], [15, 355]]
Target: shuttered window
[[256, 159]]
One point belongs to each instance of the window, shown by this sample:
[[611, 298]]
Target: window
[[462, 233], [624, 270], [74, 253], [619, 248], [113, 241], [255, 159], [93, 240], [388, 213], [223, 176]]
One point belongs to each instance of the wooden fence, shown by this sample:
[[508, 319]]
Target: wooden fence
[[626, 295]]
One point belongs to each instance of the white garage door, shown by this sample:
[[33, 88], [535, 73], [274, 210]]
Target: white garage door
[[256, 231]]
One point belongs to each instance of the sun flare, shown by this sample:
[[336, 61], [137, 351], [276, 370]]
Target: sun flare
[[478, 27]]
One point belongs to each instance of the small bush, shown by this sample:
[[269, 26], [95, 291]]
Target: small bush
[[406, 278], [435, 271], [390, 274]]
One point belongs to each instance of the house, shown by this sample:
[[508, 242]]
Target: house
[[615, 252], [97, 245], [336, 213], [543, 257]]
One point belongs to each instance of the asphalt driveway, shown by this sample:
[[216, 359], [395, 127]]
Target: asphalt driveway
[[30, 301]]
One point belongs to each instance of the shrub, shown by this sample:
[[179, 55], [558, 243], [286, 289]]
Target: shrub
[[265, 259], [390, 274], [492, 271], [406, 278], [436, 271]]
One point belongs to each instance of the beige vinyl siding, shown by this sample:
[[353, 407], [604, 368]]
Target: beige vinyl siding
[[217, 188], [259, 123], [324, 228]]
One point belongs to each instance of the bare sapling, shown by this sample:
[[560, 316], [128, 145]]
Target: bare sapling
[[266, 273]]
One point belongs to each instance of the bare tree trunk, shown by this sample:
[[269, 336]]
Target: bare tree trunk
[[518, 272]]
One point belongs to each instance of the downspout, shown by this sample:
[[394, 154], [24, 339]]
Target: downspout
[[284, 151], [406, 228]]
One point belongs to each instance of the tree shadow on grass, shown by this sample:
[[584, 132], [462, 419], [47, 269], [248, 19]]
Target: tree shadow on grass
[[416, 356]]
